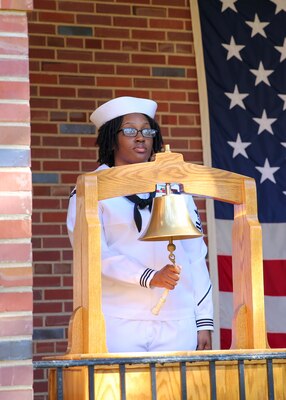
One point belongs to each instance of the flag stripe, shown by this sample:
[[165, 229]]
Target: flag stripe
[[274, 276], [273, 239]]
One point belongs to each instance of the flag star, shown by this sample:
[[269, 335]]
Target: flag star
[[228, 4], [280, 5], [261, 74], [239, 147], [283, 97], [257, 26], [233, 49], [283, 144], [282, 50], [267, 172], [236, 98], [265, 123]]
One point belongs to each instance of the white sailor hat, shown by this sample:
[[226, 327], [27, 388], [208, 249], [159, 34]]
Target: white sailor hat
[[122, 106]]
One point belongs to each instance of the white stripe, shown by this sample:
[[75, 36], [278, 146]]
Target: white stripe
[[14, 57], [275, 320], [20, 124], [13, 34], [26, 102], [13, 79], [273, 239]]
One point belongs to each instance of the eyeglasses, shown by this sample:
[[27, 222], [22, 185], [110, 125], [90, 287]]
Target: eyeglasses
[[132, 132]]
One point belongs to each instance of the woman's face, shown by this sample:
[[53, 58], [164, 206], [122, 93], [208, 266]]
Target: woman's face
[[133, 149]]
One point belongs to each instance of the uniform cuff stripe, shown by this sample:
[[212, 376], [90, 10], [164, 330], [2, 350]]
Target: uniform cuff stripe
[[144, 277]]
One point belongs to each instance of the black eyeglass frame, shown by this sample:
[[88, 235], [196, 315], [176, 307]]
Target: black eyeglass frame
[[133, 132]]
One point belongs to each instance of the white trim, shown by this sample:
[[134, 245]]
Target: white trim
[[205, 129]]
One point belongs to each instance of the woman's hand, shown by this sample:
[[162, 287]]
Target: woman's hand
[[167, 277], [204, 340]]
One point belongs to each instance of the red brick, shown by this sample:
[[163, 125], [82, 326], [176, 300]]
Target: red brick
[[151, 83], [74, 55], [113, 9], [15, 229], [14, 45], [54, 91], [93, 19], [16, 135], [13, 23], [107, 69], [170, 95], [17, 5], [111, 32], [47, 281], [45, 347], [17, 394], [45, 152], [77, 105], [15, 181], [14, 90], [14, 68], [57, 320], [130, 22], [15, 301], [16, 204], [62, 294], [17, 113], [61, 166], [16, 375], [56, 17], [50, 203], [47, 307], [154, 12], [179, 13], [47, 29], [77, 80], [45, 4], [43, 78], [15, 252], [13, 277], [74, 7], [62, 269], [16, 326], [44, 269], [45, 230], [155, 59], [148, 34], [167, 23], [46, 256]]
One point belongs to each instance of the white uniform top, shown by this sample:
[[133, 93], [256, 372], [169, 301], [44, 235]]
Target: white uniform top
[[128, 265]]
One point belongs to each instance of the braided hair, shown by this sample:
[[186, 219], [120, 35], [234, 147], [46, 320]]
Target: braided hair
[[107, 139]]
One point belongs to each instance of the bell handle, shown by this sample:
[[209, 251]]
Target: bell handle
[[156, 309]]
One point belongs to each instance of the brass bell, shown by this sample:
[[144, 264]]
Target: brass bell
[[169, 220]]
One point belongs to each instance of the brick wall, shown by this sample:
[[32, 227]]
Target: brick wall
[[16, 372], [83, 53]]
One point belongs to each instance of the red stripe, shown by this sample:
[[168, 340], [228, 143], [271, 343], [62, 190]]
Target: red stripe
[[274, 276], [225, 273], [275, 340], [225, 339]]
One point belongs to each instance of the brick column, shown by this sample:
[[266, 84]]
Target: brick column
[[16, 372]]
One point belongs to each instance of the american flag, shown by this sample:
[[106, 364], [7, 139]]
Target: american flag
[[244, 47]]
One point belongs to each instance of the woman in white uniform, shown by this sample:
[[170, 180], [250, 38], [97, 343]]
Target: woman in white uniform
[[134, 272]]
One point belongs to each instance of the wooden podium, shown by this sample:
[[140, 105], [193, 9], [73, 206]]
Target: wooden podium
[[87, 337]]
